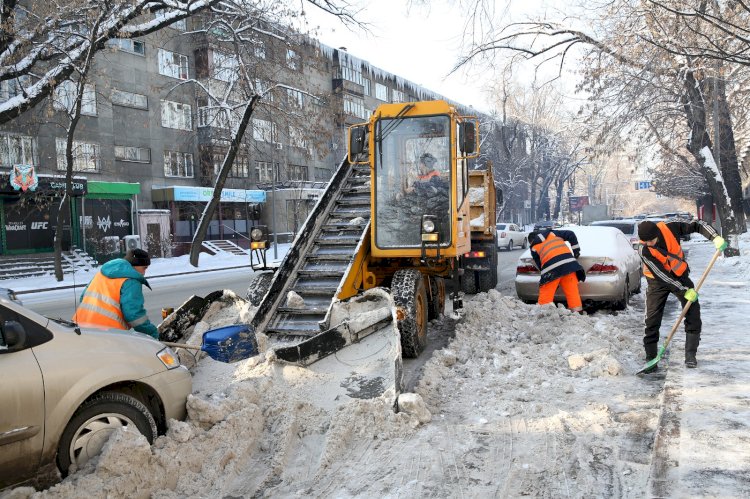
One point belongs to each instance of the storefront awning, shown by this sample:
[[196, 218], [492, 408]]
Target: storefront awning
[[113, 190], [204, 194]]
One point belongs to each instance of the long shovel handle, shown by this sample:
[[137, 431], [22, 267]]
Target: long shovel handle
[[181, 345], [685, 309]]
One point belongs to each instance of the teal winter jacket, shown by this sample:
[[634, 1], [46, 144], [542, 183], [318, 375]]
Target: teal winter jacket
[[131, 295]]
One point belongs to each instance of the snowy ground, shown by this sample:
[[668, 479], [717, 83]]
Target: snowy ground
[[524, 401]]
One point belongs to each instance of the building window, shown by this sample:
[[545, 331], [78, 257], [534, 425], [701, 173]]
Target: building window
[[264, 171], [65, 97], [297, 172], [292, 59], [259, 49], [16, 150], [264, 130], [180, 25], [216, 117], [351, 74], [225, 67], [129, 99], [262, 87], [297, 137], [176, 115], [354, 106], [398, 96], [366, 83], [178, 164], [134, 154], [14, 87], [173, 64], [128, 45], [85, 156], [381, 92], [295, 98]]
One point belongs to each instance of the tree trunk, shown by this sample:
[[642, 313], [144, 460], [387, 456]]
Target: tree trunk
[[700, 147], [208, 212], [728, 163], [65, 201]]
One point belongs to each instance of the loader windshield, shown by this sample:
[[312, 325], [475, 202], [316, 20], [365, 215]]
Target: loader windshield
[[413, 178]]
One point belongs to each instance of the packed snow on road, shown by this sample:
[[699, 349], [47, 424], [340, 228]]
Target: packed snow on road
[[524, 401]]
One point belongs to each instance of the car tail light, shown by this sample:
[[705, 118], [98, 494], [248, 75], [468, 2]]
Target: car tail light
[[503, 234], [526, 269], [475, 254], [600, 268]]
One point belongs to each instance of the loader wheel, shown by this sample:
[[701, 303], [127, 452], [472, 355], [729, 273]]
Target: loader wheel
[[436, 306], [493, 252], [410, 296], [258, 287], [469, 282]]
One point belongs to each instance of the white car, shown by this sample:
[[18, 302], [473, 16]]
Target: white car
[[629, 227], [613, 269], [509, 235]]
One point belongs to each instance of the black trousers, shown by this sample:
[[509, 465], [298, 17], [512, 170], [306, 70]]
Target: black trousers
[[656, 297]]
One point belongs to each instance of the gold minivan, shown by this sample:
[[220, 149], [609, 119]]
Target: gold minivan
[[65, 389]]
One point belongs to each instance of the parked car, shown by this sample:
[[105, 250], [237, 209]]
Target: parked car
[[613, 269], [65, 389], [510, 235], [627, 226], [546, 224]]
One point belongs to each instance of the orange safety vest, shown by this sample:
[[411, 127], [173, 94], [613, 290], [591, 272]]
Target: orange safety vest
[[674, 260], [100, 305], [429, 175], [551, 247]]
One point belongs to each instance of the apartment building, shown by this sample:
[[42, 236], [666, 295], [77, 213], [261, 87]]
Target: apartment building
[[152, 138]]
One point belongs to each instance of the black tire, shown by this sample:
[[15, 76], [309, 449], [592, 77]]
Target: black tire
[[94, 421], [622, 303], [410, 296], [436, 306], [525, 243], [258, 287], [469, 282], [485, 280], [510, 245]]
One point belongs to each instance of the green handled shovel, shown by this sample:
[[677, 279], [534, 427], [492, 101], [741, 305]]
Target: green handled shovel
[[663, 349]]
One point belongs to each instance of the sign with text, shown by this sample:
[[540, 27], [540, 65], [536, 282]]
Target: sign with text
[[643, 185], [576, 203], [204, 194]]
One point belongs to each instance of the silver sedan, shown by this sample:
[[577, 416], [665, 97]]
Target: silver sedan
[[65, 390], [612, 266]]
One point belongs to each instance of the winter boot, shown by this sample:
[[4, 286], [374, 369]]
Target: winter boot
[[691, 348]]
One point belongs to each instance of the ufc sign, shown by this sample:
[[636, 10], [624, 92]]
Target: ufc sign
[[39, 225]]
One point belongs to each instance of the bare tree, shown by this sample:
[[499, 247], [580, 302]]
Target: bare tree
[[638, 84]]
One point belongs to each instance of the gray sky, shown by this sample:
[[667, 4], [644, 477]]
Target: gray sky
[[421, 45]]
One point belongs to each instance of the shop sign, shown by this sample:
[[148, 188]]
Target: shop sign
[[204, 194], [19, 177], [24, 178]]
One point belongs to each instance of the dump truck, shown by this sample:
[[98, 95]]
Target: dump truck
[[480, 264], [381, 224]]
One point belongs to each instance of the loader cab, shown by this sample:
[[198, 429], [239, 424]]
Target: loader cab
[[418, 155]]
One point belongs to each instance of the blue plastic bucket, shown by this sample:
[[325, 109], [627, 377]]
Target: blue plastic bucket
[[230, 343]]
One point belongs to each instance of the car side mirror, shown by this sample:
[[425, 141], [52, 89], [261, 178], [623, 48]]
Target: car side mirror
[[14, 335]]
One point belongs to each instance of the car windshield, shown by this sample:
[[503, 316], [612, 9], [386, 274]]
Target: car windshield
[[500, 226]]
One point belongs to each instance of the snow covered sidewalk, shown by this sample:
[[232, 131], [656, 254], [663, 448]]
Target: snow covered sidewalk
[[703, 447]]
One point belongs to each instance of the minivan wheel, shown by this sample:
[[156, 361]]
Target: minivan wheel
[[92, 424]]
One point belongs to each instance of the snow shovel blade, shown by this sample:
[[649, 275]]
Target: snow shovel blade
[[651, 363]]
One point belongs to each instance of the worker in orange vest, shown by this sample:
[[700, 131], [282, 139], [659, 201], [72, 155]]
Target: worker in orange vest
[[114, 297], [667, 273], [558, 263]]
